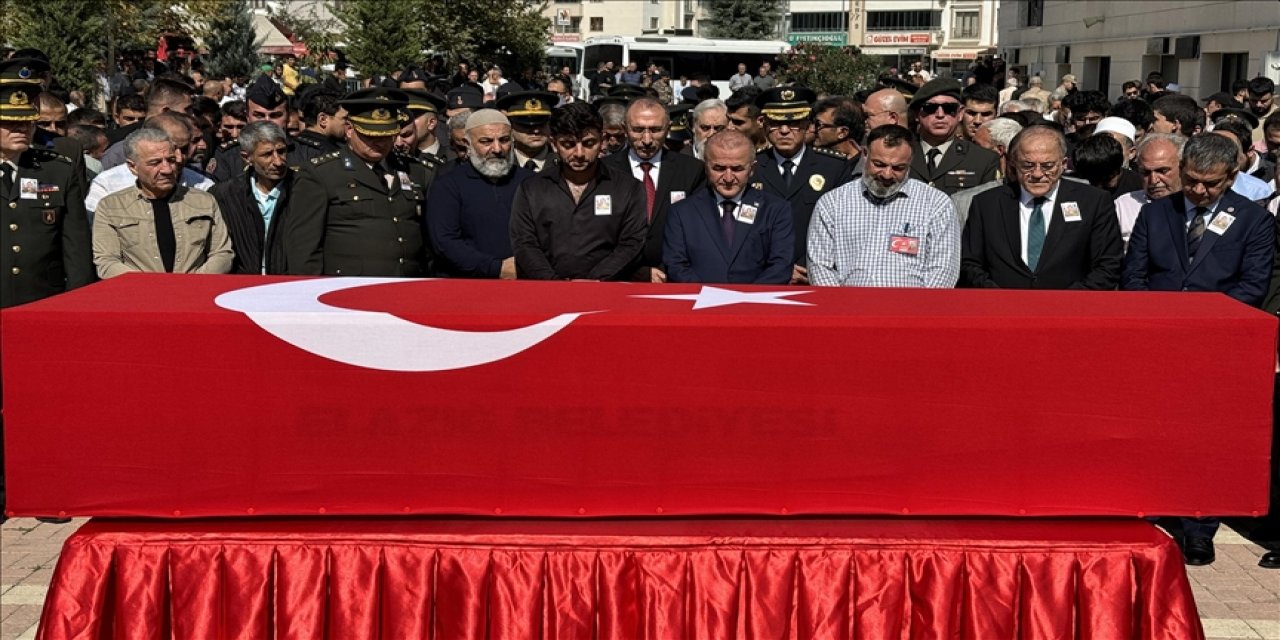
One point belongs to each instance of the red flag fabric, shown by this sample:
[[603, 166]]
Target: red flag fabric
[[184, 396]]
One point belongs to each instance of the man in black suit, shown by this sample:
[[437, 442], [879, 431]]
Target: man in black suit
[[941, 159], [667, 177], [1042, 232], [793, 170]]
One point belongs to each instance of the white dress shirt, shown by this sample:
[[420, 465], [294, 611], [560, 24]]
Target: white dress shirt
[[1025, 206], [1127, 208], [636, 171], [119, 178], [777, 157]]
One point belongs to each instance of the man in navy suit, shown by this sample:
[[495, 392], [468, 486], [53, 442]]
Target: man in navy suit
[[1205, 238], [729, 232], [793, 169]]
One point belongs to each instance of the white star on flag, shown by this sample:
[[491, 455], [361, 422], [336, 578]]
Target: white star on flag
[[710, 297]]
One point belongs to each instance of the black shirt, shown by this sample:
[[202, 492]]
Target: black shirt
[[599, 237], [164, 232]]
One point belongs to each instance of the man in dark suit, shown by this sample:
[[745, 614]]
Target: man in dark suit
[[793, 170], [253, 202], [1043, 232], [941, 158], [729, 232], [1206, 238], [667, 177]]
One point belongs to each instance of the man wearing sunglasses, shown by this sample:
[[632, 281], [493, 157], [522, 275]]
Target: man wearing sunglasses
[[791, 169], [941, 159]]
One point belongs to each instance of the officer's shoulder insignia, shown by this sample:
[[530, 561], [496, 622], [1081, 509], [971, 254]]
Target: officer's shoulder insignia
[[409, 158], [308, 142], [831, 152], [230, 144], [46, 155], [318, 160]]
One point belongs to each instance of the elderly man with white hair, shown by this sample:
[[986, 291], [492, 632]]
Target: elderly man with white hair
[[469, 209], [709, 118], [994, 135]]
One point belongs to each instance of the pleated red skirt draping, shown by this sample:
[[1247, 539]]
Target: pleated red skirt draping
[[873, 579]]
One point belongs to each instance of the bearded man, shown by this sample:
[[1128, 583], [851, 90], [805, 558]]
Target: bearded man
[[469, 210], [886, 229]]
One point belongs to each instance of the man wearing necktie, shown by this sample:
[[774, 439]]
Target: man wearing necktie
[[530, 113], [1041, 232], [358, 211], [729, 232], [942, 158], [668, 178], [793, 170], [1204, 238]]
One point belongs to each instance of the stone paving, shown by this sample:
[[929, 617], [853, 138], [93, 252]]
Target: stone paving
[[1237, 599]]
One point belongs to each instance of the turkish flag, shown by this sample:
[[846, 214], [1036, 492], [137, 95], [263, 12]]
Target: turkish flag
[[164, 395]]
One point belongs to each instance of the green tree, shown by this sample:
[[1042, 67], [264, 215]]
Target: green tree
[[384, 35], [745, 19], [829, 70], [233, 49], [320, 35], [70, 32], [513, 31]]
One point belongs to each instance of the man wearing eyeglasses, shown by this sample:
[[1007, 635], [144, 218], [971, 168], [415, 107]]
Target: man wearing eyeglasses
[[791, 169], [1204, 238], [668, 178], [1041, 232], [940, 158]]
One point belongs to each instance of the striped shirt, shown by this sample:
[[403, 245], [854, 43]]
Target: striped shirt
[[910, 240]]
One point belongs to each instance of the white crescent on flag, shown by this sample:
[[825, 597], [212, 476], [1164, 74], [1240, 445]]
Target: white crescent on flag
[[292, 311]]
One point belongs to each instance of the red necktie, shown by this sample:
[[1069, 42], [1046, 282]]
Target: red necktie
[[650, 190]]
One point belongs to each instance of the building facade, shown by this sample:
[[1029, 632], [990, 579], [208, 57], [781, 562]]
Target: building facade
[[1202, 45], [946, 35]]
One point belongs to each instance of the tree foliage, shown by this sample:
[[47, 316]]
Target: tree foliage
[[386, 35], [829, 70], [70, 33], [383, 35], [233, 49], [745, 19]]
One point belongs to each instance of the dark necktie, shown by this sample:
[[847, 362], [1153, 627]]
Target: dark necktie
[[787, 166], [530, 165], [726, 222], [6, 180], [1195, 232], [650, 190], [1035, 233], [931, 161]]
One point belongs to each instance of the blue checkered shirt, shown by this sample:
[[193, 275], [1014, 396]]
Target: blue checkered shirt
[[851, 232]]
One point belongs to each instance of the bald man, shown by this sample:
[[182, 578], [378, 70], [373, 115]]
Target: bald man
[[729, 232], [885, 106]]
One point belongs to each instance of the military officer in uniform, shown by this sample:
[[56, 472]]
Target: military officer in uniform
[[530, 115], [265, 101], [426, 108], [791, 169], [940, 157], [323, 120], [34, 71], [358, 211], [44, 233]]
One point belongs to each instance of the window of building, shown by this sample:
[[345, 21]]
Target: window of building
[[904, 20], [1035, 13], [824, 21], [965, 25], [653, 23], [597, 24]]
